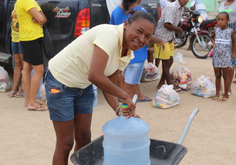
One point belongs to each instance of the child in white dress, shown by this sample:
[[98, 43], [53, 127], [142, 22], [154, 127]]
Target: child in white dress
[[221, 39]]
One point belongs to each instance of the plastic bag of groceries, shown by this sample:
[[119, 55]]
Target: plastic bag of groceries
[[5, 84], [181, 75], [204, 87], [166, 97], [42, 92], [150, 72]]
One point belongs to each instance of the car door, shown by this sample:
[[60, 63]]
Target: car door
[[99, 13]]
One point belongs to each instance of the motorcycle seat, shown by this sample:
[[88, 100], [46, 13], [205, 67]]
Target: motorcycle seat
[[204, 23]]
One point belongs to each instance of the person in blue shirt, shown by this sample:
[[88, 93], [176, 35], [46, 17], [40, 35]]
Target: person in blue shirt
[[199, 5], [131, 77]]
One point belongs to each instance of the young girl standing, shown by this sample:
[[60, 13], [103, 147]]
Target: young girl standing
[[221, 38]]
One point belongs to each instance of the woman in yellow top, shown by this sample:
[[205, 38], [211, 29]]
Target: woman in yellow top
[[98, 56], [31, 19], [17, 52]]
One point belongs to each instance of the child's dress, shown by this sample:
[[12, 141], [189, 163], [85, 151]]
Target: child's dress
[[222, 52]]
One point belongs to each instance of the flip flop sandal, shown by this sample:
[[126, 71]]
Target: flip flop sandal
[[215, 98], [146, 99], [223, 99], [38, 108], [11, 94], [18, 95]]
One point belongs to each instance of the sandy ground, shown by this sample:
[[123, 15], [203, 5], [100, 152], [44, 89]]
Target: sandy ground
[[27, 138]]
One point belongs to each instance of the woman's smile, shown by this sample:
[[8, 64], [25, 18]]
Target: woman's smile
[[137, 45]]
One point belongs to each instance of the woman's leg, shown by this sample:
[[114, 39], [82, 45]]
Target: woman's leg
[[217, 81], [17, 73], [130, 89], [64, 141], [20, 91], [82, 130], [26, 78], [226, 81], [34, 85]]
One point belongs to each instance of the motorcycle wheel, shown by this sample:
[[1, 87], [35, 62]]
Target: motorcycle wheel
[[201, 50], [182, 41]]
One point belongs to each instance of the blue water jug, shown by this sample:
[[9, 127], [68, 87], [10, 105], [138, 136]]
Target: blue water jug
[[126, 142]]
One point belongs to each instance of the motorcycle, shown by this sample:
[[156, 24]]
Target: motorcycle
[[200, 40], [208, 25]]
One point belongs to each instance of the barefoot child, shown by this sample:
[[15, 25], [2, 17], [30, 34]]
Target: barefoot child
[[221, 38]]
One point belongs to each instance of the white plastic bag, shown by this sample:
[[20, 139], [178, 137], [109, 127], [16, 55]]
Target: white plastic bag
[[166, 97], [42, 92], [204, 87], [178, 57], [150, 72], [182, 77], [5, 84]]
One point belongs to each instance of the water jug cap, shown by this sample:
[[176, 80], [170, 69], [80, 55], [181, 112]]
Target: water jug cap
[[123, 105]]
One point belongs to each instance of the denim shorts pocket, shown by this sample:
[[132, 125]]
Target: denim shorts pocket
[[53, 88]]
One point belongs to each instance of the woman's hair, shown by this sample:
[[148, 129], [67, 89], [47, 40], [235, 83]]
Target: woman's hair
[[135, 15], [227, 14], [126, 4]]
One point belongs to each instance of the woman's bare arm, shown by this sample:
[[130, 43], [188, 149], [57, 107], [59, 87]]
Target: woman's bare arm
[[106, 84], [38, 16]]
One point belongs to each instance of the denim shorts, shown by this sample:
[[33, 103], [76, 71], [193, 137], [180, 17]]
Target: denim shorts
[[133, 73], [16, 48], [63, 102]]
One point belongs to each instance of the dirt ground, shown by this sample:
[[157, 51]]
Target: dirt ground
[[28, 138]]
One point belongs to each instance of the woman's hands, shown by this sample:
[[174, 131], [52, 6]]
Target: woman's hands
[[34, 20], [129, 110]]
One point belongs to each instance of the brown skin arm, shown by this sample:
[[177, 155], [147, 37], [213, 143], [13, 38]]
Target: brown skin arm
[[233, 44], [157, 40], [106, 84], [213, 39], [38, 16], [171, 27], [112, 100]]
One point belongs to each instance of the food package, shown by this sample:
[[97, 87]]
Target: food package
[[150, 72], [182, 77], [5, 84], [166, 97], [204, 87], [42, 92]]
